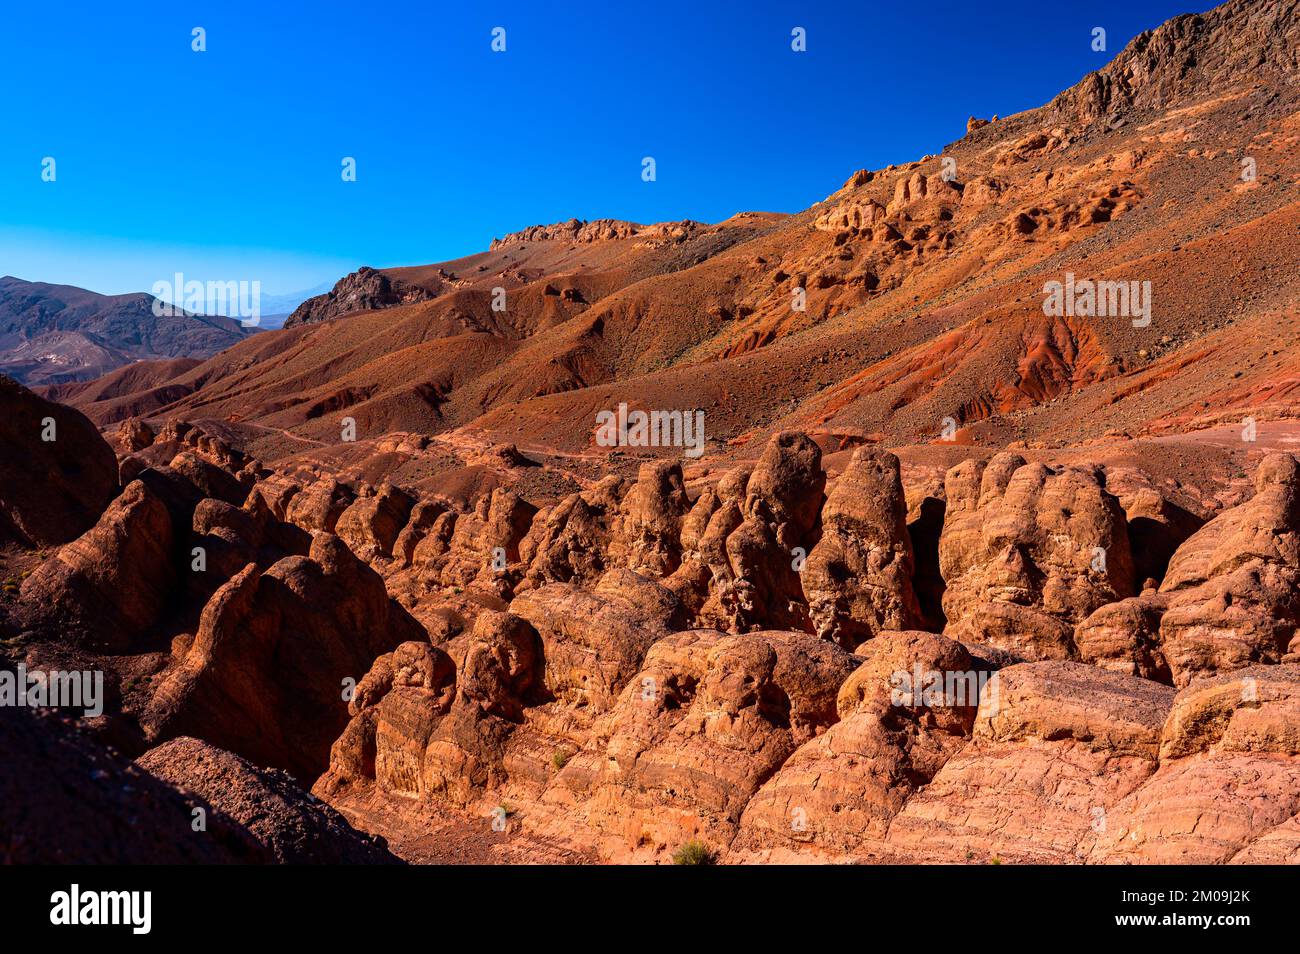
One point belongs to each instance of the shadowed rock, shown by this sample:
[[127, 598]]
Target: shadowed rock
[[50, 490], [110, 586], [291, 825], [265, 673]]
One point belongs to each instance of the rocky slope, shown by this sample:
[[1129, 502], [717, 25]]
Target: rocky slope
[[955, 580], [185, 803], [638, 667]]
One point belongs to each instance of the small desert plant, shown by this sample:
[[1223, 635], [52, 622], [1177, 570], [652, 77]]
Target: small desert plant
[[560, 759], [693, 853]]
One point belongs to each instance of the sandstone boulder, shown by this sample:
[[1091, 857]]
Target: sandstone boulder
[[319, 505], [647, 532], [134, 434], [897, 727], [1028, 552], [858, 578], [370, 526], [1234, 585], [1056, 747], [1125, 637], [758, 586], [707, 719], [568, 542], [594, 642]]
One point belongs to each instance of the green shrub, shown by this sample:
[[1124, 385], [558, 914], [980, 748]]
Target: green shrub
[[693, 853]]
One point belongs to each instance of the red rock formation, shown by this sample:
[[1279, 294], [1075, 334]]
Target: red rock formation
[[365, 289], [370, 526], [1232, 587], [842, 788], [1028, 552], [111, 585], [692, 736], [1056, 747], [265, 674], [858, 578]]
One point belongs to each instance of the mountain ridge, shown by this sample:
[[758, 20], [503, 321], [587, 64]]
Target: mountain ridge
[[54, 334]]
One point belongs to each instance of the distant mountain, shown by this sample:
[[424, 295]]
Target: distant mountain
[[53, 334], [276, 308]]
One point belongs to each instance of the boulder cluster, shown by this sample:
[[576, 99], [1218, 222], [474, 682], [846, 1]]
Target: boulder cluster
[[1022, 665]]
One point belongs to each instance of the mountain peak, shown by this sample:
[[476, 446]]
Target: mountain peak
[[1191, 55]]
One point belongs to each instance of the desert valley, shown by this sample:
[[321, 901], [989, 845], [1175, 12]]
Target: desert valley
[[955, 519]]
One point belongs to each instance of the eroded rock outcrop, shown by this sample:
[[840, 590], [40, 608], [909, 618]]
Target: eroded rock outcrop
[[594, 641], [486, 542], [706, 720], [429, 725], [366, 289], [753, 582], [264, 674], [647, 533], [1234, 586], [858, 578], [897, 727], [371, 525], [1056, 747], [1028, 552], [111, 585], [1228, 786], [319, 505], [568, 542]]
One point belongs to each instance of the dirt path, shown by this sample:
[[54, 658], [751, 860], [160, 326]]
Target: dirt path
[[425, 833]]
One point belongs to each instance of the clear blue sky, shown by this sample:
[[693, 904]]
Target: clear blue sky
[[226, 164]]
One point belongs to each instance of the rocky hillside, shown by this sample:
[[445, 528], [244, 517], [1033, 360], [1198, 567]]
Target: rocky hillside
[[955, 577], [913, 295]]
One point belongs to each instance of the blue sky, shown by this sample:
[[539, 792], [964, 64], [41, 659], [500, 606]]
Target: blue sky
[[225, 164]]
